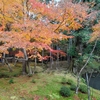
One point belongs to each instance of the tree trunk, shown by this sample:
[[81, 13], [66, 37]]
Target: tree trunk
[[5, 61], [25, 59], [35, 62], [3, 58], [51, 60], [42, 59], [69, 56], [57, 61], [88, 88], [24, 69], [8, 65], [29, 69]]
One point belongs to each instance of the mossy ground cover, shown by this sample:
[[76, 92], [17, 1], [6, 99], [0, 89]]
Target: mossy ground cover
[[45, 87]]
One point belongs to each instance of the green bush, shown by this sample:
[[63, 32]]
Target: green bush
[[65, 91], [73, 87], [63, 81], [33, 81], [11, 81], [30, 75], [16, 74], [83, 80], [4, 75], [83, 88], [70, 82]]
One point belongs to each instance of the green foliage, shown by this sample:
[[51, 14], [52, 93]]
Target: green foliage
[[83, 34], [72, 51], [11, 81], [83, 88], [93, 64], [70, 82], [53, 96], [64, 80], [47, 86], [73, 87], [83, 80], [5, 75], [97, 50], [98, 1], [98, 98], [30, 75], [78, 61], [33, 81], [65, 91]]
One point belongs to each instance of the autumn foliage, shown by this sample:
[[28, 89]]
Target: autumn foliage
[[33, 25], [96, 32]]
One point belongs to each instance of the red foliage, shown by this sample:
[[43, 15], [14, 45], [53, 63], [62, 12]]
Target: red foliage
[[38, 34], [19, 54]]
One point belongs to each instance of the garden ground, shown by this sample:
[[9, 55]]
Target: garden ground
[[40, 86]]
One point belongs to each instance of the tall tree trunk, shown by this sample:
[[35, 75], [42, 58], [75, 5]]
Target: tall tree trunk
[[29, 69], [71, 64], [51, 60], [57, 61], [69, 56], [35, 63], [88, 88], [25, 59], [78, 77], [3, 58], [24, 69], [8, 65], [42, 59]]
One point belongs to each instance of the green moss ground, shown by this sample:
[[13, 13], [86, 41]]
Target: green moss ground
[[45, 87]]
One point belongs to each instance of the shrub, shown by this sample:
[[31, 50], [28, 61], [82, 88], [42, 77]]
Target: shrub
[[16, 74], [11, 81], [73, 87], [83, 80], [65, 91], [83, 88], [30, 75], [33, 81], [5, 75], [63, 81], [70, 82]]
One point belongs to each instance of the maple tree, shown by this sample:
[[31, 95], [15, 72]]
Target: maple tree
[[37, 33], [96, 32]]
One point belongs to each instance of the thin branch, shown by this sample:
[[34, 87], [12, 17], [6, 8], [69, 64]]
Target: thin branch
[[63, 18], [78, 77]]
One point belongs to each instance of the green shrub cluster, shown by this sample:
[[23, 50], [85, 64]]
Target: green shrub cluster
[[65, 91], [83, 88], [5, 75], [83, 80], [63, 81], [70, 82], [73, 87], [30, 75], [33, 81], [11, 81], [8, 74]]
